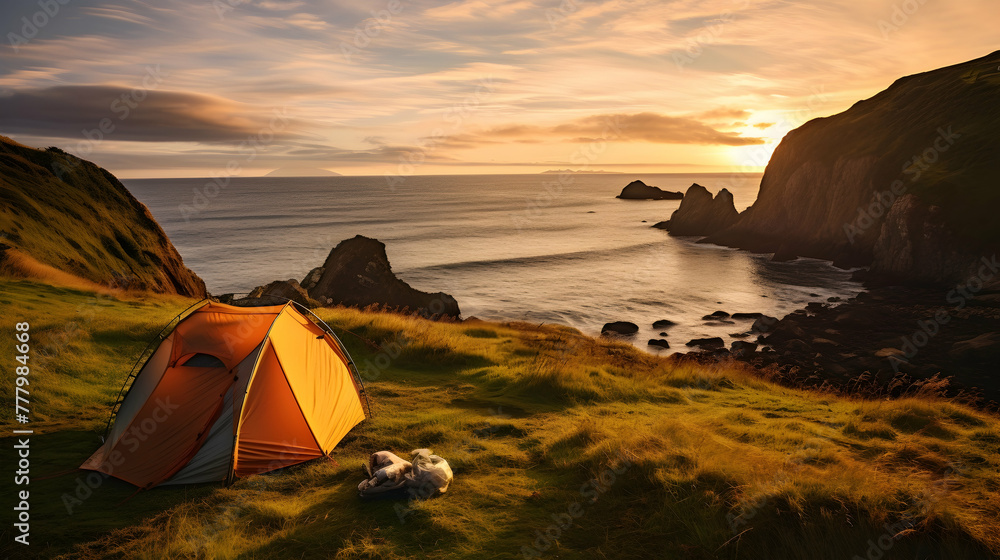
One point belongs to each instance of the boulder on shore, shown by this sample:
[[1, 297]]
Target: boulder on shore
[[637, 190], [658, 342], [715, 316], [702, 214], [713, 342], [624, 328], [742, 348], [357, 273]]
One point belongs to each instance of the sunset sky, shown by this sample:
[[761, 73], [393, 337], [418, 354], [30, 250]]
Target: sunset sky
[[196, 88]]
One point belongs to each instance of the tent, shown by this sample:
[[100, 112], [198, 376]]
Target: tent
[[229, 392]]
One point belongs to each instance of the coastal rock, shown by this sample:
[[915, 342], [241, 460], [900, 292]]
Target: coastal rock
[[713, 342], [764, 324], [659, 342], [985, 347], [888, 352], [715, 316], [814, 306], [787, 329], [746, 316], [916, 245], [702, 214], [357, 273], [620, 328], [312, 278], [285, 289], [637, 190], [742, 349], [663, 323]]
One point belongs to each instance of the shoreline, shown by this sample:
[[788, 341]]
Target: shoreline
[[888, 342]]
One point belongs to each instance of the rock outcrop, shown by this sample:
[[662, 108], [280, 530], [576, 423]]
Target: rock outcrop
[[285, 289], [890, 340], [702, 214], [897, 181], [357, 273], [623, 328], [915, 244], [637, 190], [64, 213]]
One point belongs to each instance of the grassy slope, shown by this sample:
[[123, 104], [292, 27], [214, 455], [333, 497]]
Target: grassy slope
[[72, 215], [526, 415]]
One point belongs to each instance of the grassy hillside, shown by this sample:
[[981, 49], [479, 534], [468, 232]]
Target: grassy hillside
[[62, 215], [690, 462]]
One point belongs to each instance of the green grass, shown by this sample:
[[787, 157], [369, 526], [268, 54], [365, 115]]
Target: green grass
[[63, 215], [697, 462]]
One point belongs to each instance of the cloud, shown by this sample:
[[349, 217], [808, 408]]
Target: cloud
[[479, 10], [638, 127], [132, 114], [118, 14], [558, 69], [724, 113]]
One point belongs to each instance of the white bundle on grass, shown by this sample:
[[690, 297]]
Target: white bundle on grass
[[426, 476]]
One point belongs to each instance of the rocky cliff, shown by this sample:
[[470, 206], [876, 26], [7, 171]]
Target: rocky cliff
[[60, 212], [906, 181]]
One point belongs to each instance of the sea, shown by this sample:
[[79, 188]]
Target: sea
[[541, 248]]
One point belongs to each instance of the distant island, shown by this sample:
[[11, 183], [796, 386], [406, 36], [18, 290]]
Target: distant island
[[581, 172], [302, 172], [637, 190]]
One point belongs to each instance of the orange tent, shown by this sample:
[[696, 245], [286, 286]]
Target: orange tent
[[232, 391]]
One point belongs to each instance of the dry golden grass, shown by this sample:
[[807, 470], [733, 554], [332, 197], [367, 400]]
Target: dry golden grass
[[704, 462]]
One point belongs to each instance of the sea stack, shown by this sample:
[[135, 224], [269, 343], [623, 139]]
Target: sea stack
[[357, 273], [702, 214]]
